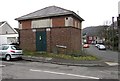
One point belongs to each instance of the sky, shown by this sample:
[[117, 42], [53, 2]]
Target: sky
[[94, 12]]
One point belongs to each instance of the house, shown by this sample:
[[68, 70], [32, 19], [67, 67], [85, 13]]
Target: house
[[8, 34], [51, 29], [95, 34], [94, 40]]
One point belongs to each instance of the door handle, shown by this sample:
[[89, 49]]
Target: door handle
[[40, 37]]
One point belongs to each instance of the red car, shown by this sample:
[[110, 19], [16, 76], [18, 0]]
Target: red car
[[86, 46]]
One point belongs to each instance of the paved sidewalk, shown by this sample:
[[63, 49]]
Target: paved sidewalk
[[66, 62]]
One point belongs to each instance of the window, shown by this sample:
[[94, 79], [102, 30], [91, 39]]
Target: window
[[15, 48], [5, 47]]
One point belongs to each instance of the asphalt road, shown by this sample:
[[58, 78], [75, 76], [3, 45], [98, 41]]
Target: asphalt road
[[105, 55], [36, 70]]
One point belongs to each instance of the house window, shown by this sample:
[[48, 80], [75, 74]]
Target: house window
[[5, 47], [66, 18], [90, 38], [96, 37]]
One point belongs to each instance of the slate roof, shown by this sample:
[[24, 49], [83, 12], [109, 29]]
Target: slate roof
[[50, 11]]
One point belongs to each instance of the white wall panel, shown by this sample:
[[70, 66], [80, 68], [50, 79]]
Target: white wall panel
[[3, 39], [42, 23], [7, 39], [69, 21]]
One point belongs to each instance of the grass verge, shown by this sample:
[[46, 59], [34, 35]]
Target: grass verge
[[75, 56]]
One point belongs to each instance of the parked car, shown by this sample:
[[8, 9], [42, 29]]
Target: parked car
[[96, 45], [101, 47], [9, 52], [86, 46]]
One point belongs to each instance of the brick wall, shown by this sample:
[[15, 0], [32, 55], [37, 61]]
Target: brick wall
[[69, 37], [27, 40], [62, 36], [75, 39], [58, 35], [48, 34], [26, 24], [58, 21]]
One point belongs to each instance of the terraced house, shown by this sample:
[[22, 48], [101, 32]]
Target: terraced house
[[51, 29]]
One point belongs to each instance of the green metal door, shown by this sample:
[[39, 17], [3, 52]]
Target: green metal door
[[41, 41]]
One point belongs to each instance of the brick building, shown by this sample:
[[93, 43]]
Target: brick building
[[51, 29]]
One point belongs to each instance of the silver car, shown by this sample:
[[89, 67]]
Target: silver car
[[9, 52], [101, 47]]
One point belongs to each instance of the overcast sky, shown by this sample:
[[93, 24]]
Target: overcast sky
[[94, 12]]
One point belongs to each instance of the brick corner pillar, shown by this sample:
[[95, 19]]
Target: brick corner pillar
[[48, 33]]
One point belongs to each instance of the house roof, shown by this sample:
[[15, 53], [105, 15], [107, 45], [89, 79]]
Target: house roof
[[2, 23], [50, 11], [5, 22]]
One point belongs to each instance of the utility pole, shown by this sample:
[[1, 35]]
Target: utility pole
[[113, 32], [118, 20], [118, 24]]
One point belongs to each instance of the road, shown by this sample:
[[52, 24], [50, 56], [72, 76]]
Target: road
[[105, 55], [36, 70]]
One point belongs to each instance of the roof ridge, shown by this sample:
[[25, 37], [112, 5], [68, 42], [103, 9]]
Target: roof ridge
[[2, 23], [44, 9], [5, 22], [63, 8], [47, 12]]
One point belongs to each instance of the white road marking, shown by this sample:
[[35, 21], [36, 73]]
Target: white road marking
[[64, 74], [2, 65], [112, 63]]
